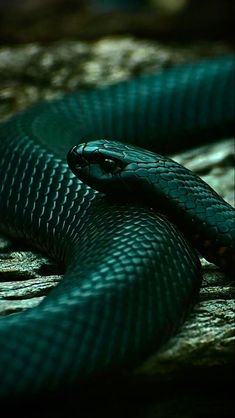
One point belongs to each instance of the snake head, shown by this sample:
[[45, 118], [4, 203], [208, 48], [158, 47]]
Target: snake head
[[97, 164], [108, 166]]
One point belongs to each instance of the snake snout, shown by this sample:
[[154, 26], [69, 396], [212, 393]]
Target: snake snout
[[76, 159]]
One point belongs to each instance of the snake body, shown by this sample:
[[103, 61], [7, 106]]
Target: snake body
[[131, 276]]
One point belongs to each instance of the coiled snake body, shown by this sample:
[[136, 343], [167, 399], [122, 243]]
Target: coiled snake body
[[130, 275]]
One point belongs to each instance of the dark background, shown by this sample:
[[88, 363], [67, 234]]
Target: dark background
[[164, 20]]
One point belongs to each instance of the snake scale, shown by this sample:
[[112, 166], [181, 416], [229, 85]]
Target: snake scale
[[131, 276]]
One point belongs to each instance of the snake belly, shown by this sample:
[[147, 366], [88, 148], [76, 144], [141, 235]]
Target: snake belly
[[130, 275]]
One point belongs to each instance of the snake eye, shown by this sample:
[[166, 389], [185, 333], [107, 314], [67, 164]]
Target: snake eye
[[109, 166]]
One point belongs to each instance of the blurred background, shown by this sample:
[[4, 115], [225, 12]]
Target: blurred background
[[164, 20]]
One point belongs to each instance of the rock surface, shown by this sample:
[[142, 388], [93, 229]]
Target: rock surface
[[205, 343]]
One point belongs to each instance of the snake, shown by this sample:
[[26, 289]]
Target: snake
[[86, 178]]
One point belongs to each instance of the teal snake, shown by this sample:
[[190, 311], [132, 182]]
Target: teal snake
[[131, 276]]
